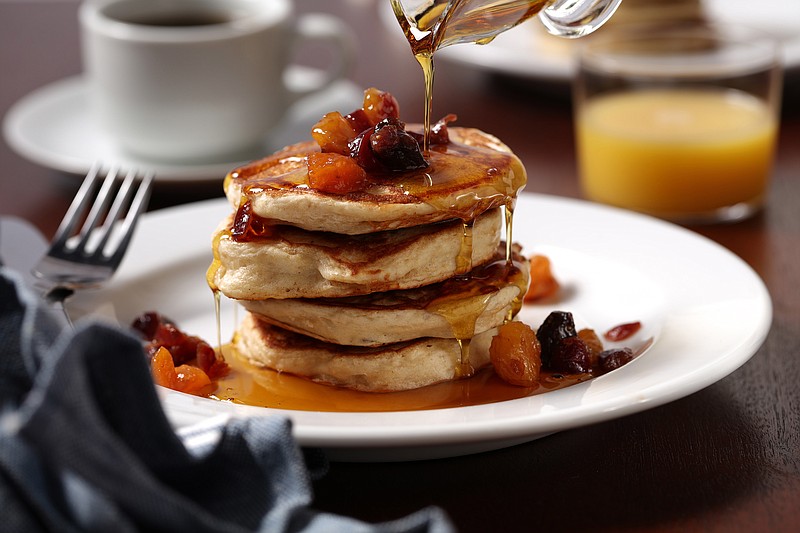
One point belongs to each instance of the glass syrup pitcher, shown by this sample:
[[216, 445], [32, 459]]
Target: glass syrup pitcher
[[433, 24]]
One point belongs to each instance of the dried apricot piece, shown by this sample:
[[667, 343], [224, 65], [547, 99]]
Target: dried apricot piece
[[333, 132], [162, 369], [516, 354], [589, 336], [190, 379], [334, 173], [543, 283], [379, 105]]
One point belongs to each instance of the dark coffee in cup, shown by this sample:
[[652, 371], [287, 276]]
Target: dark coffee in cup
[[178, 19]]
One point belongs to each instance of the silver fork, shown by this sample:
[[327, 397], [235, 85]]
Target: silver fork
[[90, 257]]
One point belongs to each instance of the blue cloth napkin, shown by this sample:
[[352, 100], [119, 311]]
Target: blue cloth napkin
[[85, 445]]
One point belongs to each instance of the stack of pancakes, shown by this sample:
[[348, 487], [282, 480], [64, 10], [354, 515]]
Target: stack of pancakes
[[393, 287]]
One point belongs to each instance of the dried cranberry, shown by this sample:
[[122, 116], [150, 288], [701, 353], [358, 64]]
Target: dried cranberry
[[571, 356], [359, 120], [439, 134], [147, 324], [247, 226], [395, 148], [612, 359], [622, 331], [557, 326], [361, 151], [208, 361]]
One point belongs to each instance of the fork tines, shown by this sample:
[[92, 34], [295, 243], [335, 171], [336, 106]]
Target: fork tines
[[128, 194]]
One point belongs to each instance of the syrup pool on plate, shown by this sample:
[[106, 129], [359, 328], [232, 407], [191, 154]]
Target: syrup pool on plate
[[249, 385]]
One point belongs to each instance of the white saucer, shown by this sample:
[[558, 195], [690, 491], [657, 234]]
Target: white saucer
[[53, 126]]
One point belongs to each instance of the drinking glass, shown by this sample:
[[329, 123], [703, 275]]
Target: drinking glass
[[678, 122]]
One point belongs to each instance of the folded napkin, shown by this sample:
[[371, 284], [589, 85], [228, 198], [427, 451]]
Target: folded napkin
[[85, 444]]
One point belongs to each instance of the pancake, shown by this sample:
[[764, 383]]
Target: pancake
[[294, 263], [392, 367], [472, 174], [475, 303]]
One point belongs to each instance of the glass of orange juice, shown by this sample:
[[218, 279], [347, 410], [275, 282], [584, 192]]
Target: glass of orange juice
[[678, 122]]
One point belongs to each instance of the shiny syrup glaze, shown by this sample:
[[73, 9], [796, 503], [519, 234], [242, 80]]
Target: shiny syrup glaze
[[461, 180]]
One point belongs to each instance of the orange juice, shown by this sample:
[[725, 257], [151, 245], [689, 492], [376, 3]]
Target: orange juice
[[678, 153]]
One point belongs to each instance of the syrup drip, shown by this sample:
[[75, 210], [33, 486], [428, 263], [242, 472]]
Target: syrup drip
[[440, 23], [509, 218], [464, 257]]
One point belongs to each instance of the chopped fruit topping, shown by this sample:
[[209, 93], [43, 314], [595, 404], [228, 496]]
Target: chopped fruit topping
[[439, 134], [374, 138], [247, 226], [160, 332], [184, 378], [395, 148], [622, 332], [571, 356], [359, 120], [516, 354], [162, 368], [593, 342], [557, 326], [613, 359], [191, 379], [379, 105], [361, 151], [333, 133], [335, 173], [543, 283]]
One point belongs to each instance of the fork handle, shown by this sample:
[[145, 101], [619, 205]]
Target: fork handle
[[56, 298]]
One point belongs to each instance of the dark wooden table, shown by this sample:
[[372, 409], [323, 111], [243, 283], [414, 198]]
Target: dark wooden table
[[724, 459]]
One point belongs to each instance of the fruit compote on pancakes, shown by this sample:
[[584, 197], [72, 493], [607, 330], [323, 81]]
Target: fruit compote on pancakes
[[366, 175]]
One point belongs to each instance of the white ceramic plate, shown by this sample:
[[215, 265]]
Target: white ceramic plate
[[705, 309], [54, 126], [528, 51]]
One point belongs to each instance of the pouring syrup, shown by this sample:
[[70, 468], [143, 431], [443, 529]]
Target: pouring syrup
[[433, 24]]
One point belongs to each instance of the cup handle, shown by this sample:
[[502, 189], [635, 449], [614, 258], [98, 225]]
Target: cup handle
[[303, 81]]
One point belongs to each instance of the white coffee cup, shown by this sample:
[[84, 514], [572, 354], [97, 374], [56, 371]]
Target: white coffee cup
[[200, 80]]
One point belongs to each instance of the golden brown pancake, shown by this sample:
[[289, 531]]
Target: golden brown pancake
[[295, 263], [473, 173], [392, 367], [474, 303]]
